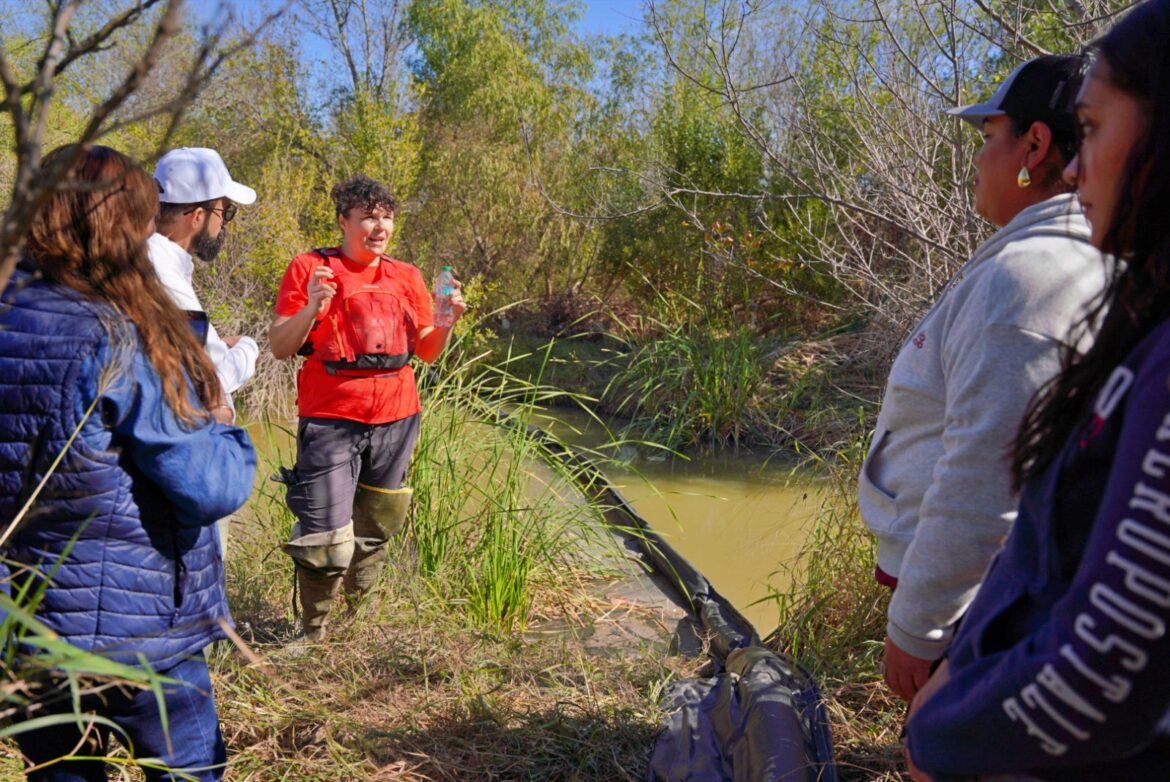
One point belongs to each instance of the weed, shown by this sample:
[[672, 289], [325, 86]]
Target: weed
[[430, 677], [691, 386]]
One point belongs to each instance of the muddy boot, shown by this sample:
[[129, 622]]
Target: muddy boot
[[378, 514], [364, 571], [318, 591]]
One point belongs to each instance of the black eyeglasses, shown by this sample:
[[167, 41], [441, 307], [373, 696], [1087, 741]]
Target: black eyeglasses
[[228, 212]]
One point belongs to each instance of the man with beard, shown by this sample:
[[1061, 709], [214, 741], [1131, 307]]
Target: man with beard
[[197, 199]]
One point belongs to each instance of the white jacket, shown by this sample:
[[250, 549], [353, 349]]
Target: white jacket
[[935, 487], [234, 365]]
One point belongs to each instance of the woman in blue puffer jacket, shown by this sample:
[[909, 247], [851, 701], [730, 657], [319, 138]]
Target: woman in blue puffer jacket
[[99, 368]]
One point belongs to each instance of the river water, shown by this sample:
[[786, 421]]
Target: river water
[[739, 517]]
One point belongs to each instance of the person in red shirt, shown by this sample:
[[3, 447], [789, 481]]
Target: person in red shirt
[[357, 316]]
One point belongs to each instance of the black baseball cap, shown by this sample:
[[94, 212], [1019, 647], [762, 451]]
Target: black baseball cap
[[1042, 89]]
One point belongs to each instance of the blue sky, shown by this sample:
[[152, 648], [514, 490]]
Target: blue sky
[[610, 17]]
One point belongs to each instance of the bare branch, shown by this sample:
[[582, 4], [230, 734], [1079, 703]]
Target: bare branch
[[168, 26], [1012, 29], [341, 10], [91, 44], [34, 183]]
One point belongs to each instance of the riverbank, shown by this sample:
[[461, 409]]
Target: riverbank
[[691, 390], [833, 619], [404, 689], [408, 689], [424, 682]]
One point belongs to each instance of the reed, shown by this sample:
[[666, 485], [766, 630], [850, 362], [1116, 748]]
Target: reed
[[692, 385], [432, 677], [834, 609], [493, 517]]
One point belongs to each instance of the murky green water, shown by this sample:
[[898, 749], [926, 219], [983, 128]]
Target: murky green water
[[739, 518]]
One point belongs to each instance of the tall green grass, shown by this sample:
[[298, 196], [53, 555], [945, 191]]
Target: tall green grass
[[489, 523], [833, 619], [710, 377], [693, 385], [833, 615]]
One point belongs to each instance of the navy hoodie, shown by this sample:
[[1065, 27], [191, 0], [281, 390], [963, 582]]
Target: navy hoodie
[[1059, 667]]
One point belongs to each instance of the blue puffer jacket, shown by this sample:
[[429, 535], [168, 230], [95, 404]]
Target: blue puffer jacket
[[123, 529]]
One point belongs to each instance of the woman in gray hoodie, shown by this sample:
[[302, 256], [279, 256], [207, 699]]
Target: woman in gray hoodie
[[935, 487]]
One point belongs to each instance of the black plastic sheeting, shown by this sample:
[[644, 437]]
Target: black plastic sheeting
[[760, 717]]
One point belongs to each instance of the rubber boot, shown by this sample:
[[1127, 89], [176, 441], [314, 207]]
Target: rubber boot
[[318, 592], [378, 514], [364, 570]]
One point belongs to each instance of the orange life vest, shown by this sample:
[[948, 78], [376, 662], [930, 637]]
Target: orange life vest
[[369, 325]]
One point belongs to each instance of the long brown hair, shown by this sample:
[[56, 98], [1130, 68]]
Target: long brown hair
[[91, 236], [1137, 298]]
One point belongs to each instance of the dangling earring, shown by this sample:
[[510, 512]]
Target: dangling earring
[[1023, 179]]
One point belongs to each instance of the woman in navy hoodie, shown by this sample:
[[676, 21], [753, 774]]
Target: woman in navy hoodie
[[1058, 670], [100, 370]]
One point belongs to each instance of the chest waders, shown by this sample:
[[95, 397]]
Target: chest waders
[[370, 327], [319, 568], [378, 515], [353, 556]]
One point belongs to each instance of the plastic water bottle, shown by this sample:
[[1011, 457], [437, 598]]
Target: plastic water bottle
[[444, 287]]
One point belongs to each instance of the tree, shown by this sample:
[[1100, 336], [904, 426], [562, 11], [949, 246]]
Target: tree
[[865, 175], [31, 94], [500, 88]]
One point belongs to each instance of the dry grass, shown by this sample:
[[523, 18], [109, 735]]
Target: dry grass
[[867, 722], [404, 691], [408, 689], [833, 619]]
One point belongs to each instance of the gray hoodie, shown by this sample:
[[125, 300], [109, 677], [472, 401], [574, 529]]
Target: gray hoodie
[[935, 487]]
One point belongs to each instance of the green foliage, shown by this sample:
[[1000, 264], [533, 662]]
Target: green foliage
[[486, 532], [497, 124], [493, 519], [1023, 27], [494, 64], [371, 137], [693, 384], [834, 611], [700, 151], [499, 85]]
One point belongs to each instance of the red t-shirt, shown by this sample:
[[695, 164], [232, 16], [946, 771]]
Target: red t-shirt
[[369, 396]]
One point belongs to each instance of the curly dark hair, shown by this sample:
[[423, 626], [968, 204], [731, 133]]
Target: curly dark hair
[[362, 191]]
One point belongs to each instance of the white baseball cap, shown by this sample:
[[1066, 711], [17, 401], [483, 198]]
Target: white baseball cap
[[192, 175]]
